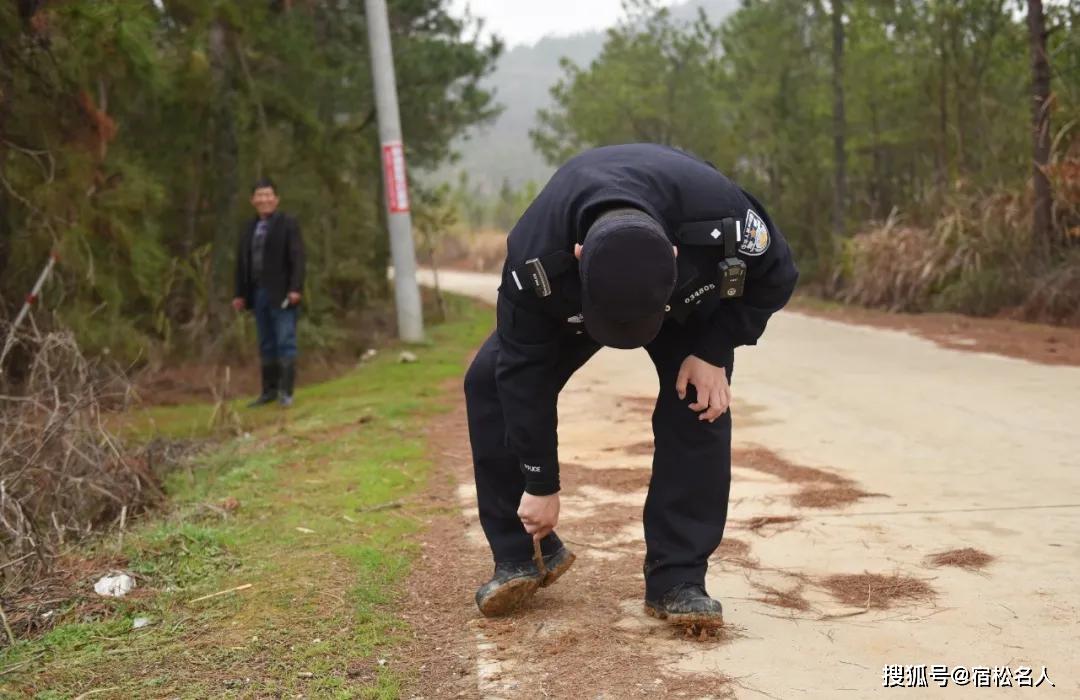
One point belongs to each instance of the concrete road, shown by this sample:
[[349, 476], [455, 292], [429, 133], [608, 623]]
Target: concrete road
[[961, 450]]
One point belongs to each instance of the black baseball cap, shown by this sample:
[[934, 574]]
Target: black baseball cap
[[628, 273]]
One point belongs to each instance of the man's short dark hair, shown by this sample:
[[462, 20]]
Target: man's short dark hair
[[262, 183]]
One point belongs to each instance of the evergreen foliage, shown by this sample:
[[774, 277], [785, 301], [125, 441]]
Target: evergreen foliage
[[911, 110], [130, 131]]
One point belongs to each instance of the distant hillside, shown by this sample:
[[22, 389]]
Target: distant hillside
[[522, 81]]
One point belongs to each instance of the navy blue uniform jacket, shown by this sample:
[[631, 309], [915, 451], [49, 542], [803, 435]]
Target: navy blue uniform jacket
[[677, 190]]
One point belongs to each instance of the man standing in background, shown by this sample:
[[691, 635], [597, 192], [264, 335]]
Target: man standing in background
[[269, 281]]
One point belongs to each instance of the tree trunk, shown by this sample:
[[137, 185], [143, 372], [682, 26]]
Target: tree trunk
[[880, 173], [5, 228], [943, 112], [839, 121], [193, 207], [224, 168], [1040, 121]]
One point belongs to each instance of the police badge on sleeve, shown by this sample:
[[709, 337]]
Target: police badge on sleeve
[[755, 238]]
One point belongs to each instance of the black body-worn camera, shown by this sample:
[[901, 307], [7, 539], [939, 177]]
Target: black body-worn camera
[[731, 278]]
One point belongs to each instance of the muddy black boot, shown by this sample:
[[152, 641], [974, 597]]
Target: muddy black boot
[[270, 376], [687, 604], [515, 582], [288, 379]]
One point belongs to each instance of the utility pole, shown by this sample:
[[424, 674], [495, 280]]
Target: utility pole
[[402, 251]]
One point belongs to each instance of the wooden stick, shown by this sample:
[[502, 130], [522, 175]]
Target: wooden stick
[[382, 506], [31, 299], [15, 667], [16, 561], [229, 590], [7, 627], [95, 692], [123, 520], [538, 557]]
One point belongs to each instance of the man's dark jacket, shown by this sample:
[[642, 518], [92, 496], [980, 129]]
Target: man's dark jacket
[[283, 260], [679, 191]]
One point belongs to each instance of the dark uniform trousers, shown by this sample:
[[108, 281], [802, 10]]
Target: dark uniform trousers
[[686, 508]]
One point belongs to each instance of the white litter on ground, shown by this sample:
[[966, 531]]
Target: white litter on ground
[[114, 586]]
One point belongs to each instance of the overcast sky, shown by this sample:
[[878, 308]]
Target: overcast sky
[[525, 21]]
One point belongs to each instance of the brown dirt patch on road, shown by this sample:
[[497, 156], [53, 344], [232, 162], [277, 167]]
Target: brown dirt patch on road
[[732, 548], [764, 460], [966, 558], [770, 523], [1050, 345], [792, 599], [639, 405], [613, 479], [821, 489], [643, 448], [737, 552], [877, 591], [830, 497]]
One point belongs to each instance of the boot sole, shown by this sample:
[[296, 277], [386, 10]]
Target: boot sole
[[702, 619], [509, 596]]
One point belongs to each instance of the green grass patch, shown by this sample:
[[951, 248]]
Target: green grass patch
[[324, 570]]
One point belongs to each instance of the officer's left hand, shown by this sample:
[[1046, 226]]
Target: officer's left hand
[[294, 298], [711, 384], [539, 514]]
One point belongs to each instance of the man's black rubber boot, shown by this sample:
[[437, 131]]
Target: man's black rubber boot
[[687, 604], [288, 379], [270, 375], [515, 582]]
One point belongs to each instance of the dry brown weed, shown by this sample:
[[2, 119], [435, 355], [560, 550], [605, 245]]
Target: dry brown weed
[[877, 591], [966, 558]]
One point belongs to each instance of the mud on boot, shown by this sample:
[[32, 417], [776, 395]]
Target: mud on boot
[[687, 604], [515, 582]]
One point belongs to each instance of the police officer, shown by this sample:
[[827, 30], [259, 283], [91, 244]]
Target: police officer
[[627, 246]]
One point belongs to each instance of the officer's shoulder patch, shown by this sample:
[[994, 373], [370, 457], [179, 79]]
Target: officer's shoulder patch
[[755, 237]]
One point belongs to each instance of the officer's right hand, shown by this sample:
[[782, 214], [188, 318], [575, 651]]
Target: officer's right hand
[[238, 303], [711, 384], [539, 514]]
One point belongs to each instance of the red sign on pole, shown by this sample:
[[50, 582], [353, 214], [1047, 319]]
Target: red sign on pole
[[397, 185]]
